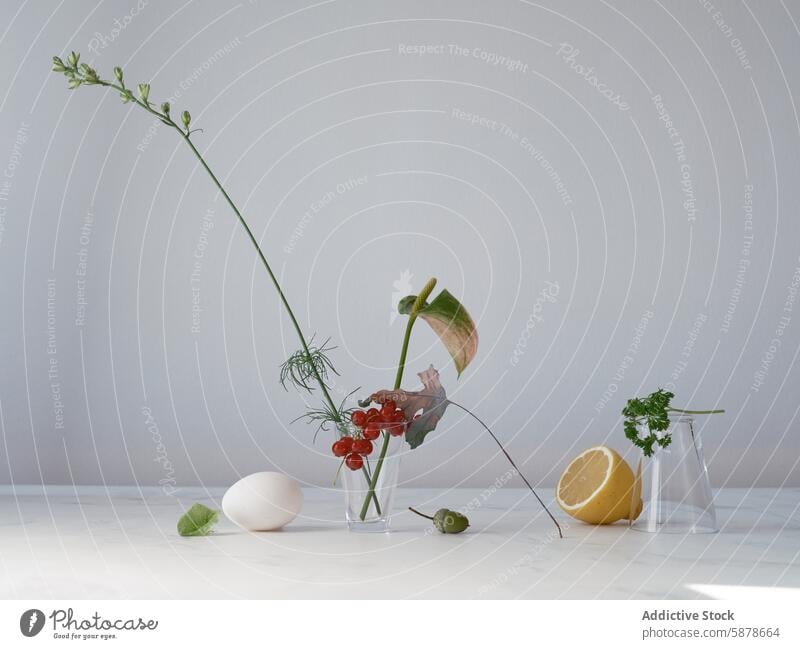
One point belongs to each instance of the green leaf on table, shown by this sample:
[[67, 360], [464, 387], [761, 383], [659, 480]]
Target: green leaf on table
[[451, 322], [198, 521]]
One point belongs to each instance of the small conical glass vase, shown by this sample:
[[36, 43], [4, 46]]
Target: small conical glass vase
[[676, 491]]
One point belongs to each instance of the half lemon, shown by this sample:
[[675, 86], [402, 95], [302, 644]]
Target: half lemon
[[598, 487]]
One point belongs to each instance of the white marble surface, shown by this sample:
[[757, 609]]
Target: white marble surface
[[92, 542]]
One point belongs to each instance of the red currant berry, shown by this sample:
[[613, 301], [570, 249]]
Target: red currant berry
[[396, 423], [354, 461], [372, 413], [341, 448], [388, 408], [359, 418], [372, 430], [362, 446]]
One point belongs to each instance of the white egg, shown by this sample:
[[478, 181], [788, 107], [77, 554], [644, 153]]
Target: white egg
[[263, 501]]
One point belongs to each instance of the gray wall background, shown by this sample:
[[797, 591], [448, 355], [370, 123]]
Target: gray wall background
[[525, 160]]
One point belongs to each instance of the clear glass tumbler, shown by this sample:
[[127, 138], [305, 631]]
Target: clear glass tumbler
[[675, 487], [369, 493]]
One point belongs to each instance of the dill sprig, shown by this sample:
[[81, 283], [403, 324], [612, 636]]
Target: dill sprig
[[329, 414], [305, 367]]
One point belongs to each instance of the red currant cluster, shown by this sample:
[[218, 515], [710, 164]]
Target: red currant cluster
[[370, 423]]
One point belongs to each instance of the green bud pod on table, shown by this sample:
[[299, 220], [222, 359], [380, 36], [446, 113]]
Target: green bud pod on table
[[448, 521]]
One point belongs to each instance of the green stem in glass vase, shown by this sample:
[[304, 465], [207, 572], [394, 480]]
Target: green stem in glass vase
[[322, 386], [398, 379]]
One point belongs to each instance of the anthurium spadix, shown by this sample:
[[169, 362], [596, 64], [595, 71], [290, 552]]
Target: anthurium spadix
[[451, 322]]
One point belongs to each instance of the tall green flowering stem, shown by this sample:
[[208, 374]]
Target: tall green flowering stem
[[398, 379], [84, 75], [79, 74]]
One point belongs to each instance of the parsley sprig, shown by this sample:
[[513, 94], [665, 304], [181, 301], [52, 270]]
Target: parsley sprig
[[653, 412]]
